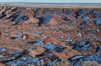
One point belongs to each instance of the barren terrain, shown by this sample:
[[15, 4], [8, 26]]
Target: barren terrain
[[45, 36]]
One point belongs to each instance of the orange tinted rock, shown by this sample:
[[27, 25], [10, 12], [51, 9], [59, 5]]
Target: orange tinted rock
[[76, 10], [32, 20], [40, 49], [33, 53], [4, 36], [26, 37], [13, 32], [2, 64], [67, 53], [56, 20], [29, 15], [46, 61], [90, 16], [71, 17], [53, 41]]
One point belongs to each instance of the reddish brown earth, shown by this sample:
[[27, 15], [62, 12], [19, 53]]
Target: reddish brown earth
[[44, 36]]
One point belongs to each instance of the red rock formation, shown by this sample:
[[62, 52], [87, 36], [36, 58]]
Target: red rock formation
[[55, 21], [2, 64], [37, 51], [67, 53]]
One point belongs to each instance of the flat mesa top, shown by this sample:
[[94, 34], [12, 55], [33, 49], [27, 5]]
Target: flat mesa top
[[54, 5]]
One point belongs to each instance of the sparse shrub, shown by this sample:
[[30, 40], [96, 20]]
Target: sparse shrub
[[62, 63], [90, 63]]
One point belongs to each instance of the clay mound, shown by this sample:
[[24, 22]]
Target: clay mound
[[66, 54], [56, 20], [32, 20], [53, 41], [13, 32], [4, 36], [21, 37], [46, 19], [30, 15], [37, 51], [51, 20], [26, 37], [21, 20]]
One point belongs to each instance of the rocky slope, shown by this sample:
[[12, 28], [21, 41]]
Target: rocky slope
[[44, 36]]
